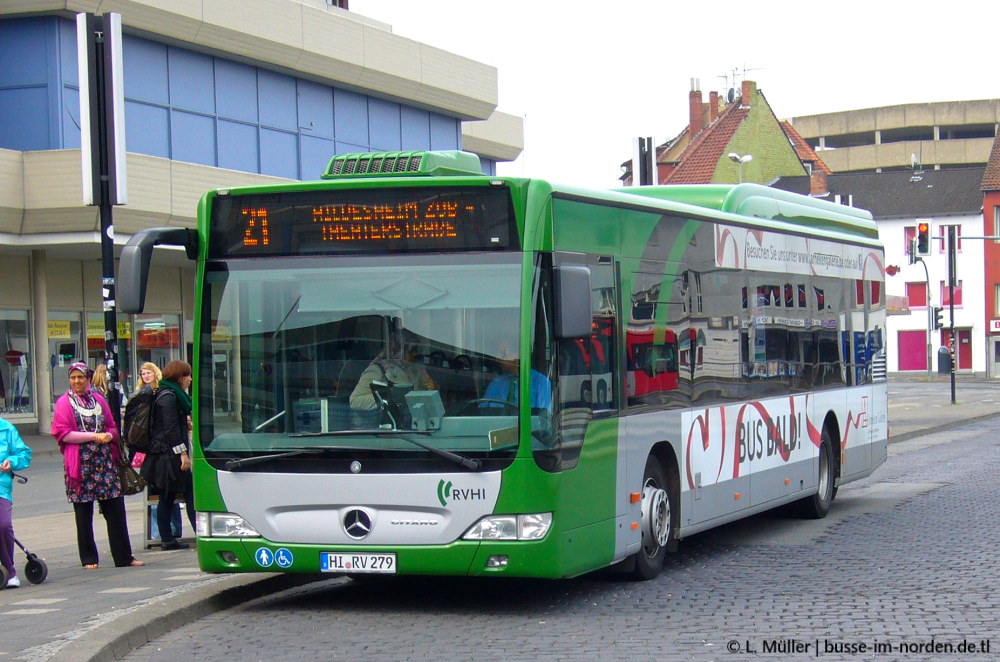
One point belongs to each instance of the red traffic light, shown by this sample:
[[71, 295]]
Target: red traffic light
[[923, 239]]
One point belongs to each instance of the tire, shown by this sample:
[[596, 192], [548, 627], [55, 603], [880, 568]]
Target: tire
[[656, 522], [818, 505], [602, 392], [35, 570]]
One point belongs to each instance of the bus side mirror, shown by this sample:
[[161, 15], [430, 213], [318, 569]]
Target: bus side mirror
[[573, 318], [133, 267]]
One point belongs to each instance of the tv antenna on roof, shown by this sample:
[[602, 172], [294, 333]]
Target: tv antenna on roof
[[733, 78]]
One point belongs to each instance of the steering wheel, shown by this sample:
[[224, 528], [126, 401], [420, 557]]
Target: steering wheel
[[475, 405]]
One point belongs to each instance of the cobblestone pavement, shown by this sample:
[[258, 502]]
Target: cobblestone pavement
[[904, 567]]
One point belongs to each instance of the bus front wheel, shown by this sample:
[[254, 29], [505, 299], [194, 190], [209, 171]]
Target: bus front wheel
[[656, 521]]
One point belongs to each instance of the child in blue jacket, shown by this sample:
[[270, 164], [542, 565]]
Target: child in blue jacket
[[14, 456]]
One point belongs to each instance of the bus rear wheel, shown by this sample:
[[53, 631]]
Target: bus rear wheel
[[655, 522], [818, 505]]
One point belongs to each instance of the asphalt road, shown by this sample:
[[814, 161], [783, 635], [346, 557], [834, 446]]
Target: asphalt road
[[903, 568]]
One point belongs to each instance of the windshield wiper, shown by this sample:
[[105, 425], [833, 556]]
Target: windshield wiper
[[351, 433], [468, 463], [232, 465]]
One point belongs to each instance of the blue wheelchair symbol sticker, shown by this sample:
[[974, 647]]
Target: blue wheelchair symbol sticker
[[264, 557], [283, 558]]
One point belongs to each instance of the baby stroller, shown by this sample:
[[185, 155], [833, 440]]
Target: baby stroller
[[35, 570]]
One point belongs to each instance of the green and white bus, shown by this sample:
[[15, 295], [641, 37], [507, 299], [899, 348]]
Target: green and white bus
[[669, 359]]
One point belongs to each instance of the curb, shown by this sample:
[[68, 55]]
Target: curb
[[895, 439], [148, 622]]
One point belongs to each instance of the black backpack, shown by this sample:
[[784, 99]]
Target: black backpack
[[137, 419]]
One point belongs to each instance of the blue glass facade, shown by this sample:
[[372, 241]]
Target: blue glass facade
[[188, 106]]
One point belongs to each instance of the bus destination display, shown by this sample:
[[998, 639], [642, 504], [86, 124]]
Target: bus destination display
[[371, 220]]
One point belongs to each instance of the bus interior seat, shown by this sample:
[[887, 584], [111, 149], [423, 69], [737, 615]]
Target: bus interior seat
[[456, 386]]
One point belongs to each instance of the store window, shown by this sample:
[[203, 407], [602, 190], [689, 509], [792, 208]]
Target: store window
[[15, 368], [96, 346], [65, 334], [150, 337], [156, 338]]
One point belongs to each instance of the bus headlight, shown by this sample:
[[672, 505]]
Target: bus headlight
[[533, 526], [224, 525]]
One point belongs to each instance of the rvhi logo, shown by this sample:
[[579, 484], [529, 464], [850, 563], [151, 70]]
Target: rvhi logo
[[447, 493]]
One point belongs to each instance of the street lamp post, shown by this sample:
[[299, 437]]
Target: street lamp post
[[740, 160]]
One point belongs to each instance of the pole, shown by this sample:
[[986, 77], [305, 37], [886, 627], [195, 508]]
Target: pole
[[110, 316], [101, 97], [951, 306], [930, 316]]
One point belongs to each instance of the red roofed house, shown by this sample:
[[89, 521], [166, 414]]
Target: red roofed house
[[700, 153]]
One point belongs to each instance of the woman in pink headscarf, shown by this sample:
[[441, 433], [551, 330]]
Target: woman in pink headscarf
[[87, 436]]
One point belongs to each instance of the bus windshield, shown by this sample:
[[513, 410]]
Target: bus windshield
[[359, 354]]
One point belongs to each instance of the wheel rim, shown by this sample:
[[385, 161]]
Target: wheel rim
[[655, 518], [824, 475]]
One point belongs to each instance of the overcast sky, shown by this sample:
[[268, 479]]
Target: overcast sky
[[589, 76]]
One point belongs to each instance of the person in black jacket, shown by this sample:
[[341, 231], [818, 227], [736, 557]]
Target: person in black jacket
[[168, 463]]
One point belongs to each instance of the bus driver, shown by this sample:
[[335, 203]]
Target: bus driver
[[394, 364]]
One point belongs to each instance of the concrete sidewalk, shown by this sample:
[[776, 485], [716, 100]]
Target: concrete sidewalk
[[78, 614]]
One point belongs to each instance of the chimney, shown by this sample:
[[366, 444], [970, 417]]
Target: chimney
[[713, 107], [747, 88], [817, 182], [697, 112]]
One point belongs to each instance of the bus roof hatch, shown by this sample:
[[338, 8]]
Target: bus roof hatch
[[381, 164]]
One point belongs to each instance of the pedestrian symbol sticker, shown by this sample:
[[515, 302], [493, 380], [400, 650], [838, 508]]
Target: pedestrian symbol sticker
[[283, 558], [264, 557]]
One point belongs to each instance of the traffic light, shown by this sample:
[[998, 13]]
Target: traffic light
[[923, 239], [938, 316]]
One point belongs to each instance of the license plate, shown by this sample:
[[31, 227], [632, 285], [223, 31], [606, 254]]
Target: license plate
[[358, 563]]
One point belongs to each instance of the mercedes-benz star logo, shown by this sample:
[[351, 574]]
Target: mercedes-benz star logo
[[357, 523]]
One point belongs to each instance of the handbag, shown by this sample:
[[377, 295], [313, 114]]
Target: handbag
[[131, 481]]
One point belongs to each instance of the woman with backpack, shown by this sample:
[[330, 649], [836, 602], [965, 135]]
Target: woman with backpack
[[167, 466]]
